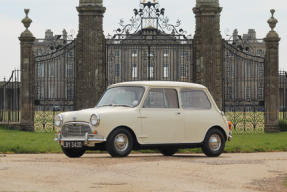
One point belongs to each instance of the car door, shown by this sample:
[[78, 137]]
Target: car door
[[162, 119]]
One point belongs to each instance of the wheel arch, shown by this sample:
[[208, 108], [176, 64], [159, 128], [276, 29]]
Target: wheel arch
[[136, 143], [220, 129]]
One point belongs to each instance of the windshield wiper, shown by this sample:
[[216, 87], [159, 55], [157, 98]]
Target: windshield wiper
[[106, 105], [116, 105], [122, 105]]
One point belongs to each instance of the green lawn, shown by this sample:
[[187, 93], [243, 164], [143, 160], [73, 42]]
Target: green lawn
[[12, 141]]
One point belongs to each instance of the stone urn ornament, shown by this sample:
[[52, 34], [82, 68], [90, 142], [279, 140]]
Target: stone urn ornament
[[272, 21], [272, 24], [27, 22]]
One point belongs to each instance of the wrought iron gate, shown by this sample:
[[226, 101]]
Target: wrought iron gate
[[10, 98], [144, 50], [55, 81], [244, 86], [126, 62]]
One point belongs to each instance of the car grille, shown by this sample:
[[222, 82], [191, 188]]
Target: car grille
[[75, 130]]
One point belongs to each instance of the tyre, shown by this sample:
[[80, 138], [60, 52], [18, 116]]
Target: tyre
[[214, 143], [119, 143], [168, 152], [73, 153]]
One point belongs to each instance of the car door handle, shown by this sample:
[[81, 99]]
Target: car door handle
[[178, 113]]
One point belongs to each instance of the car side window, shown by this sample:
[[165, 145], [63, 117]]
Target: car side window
[[194, 99], [161, 98]]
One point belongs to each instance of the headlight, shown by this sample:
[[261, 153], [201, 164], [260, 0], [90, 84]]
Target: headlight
[[95, 120], [58, 120]]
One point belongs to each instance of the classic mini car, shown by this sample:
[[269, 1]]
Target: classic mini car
[[146, 115]]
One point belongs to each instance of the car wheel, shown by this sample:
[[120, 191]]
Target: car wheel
[[168, 152], [73, 153], [119, 143], [214, 143]]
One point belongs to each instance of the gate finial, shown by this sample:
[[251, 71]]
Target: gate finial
[[272, 24], [27, 22], [272, 21]]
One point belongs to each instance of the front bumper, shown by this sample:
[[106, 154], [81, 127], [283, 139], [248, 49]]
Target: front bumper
[[230, 136], [88, 138]]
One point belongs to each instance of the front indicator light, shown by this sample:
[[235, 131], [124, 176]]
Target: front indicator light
[[229, 123]]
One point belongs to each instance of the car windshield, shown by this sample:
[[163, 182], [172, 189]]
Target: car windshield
[[122, 96]]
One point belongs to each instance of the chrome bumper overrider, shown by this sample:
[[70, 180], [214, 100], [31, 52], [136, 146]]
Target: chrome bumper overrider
[[88, 138], [230, 136]]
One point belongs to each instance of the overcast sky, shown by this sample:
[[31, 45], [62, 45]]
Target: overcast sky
[[62, 14]]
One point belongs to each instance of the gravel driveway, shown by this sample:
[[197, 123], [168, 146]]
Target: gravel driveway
[[144, 172]]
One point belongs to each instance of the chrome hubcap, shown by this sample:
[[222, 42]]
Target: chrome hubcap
[[214, 142], [121, 142]]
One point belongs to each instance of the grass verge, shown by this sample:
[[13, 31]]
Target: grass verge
[[285, 181], [13, 141]]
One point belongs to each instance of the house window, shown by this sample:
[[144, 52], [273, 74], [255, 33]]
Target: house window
[[117, 53], [260, 70], [231, 71], [230, 54], [183, 53], [41, 68], [166, 70], [70, 53], [150, 71], [117, 70], [52, 70], [70, 70], [232, 109], [40, 92], [134, 70], [247, 93], [166, 53], [260, 93], [247, 69], [70, 93], [152, 53], [230, 93], [134, 53], [248, 109], [52, 92], [183, 70]]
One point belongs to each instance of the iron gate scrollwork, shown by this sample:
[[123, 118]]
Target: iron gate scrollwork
[[55, 80], [149, 48], [244, 85]]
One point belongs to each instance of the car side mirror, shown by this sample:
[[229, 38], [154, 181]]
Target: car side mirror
[[135, 103]]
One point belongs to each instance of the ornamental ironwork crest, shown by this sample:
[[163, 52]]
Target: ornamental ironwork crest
[[149, 19]]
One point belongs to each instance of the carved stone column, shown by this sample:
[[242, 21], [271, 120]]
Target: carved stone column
[[271, 77], [208, 69], [90, 62], [27, 76]]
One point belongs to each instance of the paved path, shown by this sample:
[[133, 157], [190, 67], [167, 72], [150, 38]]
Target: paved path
[[144, 172]]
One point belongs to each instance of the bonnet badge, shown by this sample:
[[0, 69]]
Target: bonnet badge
[[74, 118]]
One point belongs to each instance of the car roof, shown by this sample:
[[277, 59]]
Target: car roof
[[160, 84]]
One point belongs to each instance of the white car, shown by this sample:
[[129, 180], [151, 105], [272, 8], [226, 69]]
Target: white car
[[146, 115]]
